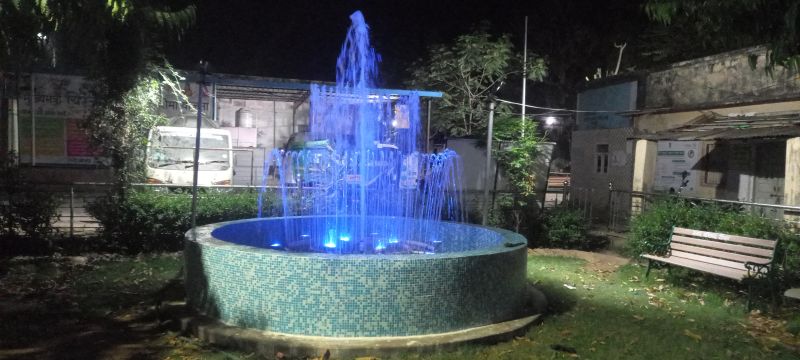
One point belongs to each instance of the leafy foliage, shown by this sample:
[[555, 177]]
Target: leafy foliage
[[651, 230], [28, 212], [694, 28], [156, 221], [119, 124], [518, 151], [468, 71], [566, 228]]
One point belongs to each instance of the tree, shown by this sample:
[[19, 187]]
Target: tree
[[120, 44], [119, 122], [720, 25], [467, 72]]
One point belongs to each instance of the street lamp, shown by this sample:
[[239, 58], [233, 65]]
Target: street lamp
[[203, 72], [488, 169]]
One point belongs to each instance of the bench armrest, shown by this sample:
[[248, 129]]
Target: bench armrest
[[756, 268]]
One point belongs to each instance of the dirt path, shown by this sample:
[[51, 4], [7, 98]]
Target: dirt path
[[602, 262]]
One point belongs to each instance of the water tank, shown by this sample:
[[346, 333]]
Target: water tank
[[244, 118]]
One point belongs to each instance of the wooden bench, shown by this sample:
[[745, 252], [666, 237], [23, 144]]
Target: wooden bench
[[731, 256]]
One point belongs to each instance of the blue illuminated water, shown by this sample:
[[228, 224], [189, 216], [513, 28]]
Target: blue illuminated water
[[359, 181]]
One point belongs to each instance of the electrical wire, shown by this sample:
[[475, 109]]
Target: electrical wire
[[556, 109]]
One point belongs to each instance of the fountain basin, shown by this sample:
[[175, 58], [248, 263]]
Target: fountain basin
[[355, 295]]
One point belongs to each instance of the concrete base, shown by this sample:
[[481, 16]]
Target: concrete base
[[266, 343]]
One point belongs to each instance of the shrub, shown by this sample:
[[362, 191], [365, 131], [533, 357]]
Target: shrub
[[147, 220], [28, 212], [650, 231], [563, 227]]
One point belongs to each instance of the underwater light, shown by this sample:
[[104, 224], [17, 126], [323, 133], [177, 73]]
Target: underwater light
[[380, 247], [393, 241], [344, 237], [330, 245], [275, 244]]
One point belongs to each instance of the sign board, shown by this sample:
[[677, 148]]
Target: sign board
[[49, 118], [674, 163]]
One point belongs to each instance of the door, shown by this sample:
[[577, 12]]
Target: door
[[769, 174]]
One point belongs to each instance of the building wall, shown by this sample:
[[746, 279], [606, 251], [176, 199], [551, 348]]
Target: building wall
[[744, 170], [618, 97], [722, 79], [584, 165]]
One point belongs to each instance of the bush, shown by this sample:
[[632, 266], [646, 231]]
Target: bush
[[650, 231], [563, 227], [147, 220], [28, 212]]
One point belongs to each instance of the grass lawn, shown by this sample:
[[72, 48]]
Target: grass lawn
[[104, 308]]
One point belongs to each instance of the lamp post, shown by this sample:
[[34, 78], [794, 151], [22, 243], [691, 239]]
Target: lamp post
[[196, 167], [488, 170]]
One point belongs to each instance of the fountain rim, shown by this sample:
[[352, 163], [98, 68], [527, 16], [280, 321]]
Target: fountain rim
[[202, 235]]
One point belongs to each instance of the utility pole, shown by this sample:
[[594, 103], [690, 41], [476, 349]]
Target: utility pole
[[524, 73], [203, 72], [488, 170]]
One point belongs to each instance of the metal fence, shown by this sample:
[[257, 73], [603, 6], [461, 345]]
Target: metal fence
[[620, 214]]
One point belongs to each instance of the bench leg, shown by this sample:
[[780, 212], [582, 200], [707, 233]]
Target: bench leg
[[749, 296], [649, 263]]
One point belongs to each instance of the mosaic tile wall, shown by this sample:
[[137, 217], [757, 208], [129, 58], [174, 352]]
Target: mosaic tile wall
[[354, 295]]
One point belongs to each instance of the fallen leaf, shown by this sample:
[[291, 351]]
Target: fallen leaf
[[692, 335]]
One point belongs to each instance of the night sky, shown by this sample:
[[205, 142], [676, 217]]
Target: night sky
[[300, 39]]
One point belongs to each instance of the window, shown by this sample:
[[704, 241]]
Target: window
[[601, 159]]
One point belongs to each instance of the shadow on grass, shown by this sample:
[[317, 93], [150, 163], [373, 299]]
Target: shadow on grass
[[106, 312]]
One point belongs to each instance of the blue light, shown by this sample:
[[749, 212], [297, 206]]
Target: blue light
[[344, 237], [275, 244], [330, 245], [305, 235], [393, 241], [380, 247]]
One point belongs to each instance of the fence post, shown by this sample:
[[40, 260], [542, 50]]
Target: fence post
[[610, 207], [252, 168], [71, 211]]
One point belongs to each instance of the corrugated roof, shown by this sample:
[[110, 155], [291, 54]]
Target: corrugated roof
[[714, 126], [726, 134]]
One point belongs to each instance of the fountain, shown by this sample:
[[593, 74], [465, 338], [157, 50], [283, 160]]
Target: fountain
[[370, 243]]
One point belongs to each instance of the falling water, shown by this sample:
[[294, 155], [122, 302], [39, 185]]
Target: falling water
[[360, 183]]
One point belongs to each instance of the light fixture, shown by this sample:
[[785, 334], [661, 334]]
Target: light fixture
[[550, 120]]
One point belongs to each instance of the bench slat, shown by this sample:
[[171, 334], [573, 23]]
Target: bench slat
[[770, 244], [701, 266], [709, 259], [719, 254], [747, 250]]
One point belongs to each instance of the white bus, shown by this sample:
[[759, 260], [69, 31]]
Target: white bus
[[170, 156]]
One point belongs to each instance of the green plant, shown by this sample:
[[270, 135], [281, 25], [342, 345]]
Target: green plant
[[119, 122], [28, 211], [467, 71], [563, 227], [650, 230], [146, 220]]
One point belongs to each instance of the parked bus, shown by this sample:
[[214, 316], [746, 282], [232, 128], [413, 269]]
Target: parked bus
[[170, 156]]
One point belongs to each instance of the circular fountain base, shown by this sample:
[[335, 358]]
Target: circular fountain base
[[267, 343], [318, 298]]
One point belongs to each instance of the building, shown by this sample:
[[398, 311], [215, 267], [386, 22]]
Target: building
[[41, 125], [714, 127]]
